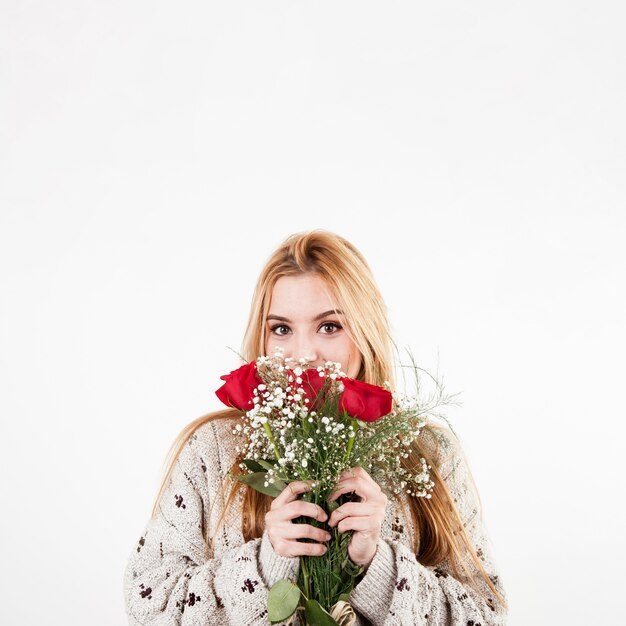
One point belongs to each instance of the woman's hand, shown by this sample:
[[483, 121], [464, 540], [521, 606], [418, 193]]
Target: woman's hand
[[364, 517], [283, 534]]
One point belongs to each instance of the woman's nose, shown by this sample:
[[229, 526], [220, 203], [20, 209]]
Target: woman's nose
[[304, 348]]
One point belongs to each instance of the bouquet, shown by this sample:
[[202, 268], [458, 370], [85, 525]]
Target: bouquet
[[303, 423]]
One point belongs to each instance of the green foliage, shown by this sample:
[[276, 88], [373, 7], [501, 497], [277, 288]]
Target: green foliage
[[267, 464], [331, 505], [257, 481], [316, 616], [282, 601], [253, 466]]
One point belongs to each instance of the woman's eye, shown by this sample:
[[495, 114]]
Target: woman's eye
[[274, 328], [333, 328]]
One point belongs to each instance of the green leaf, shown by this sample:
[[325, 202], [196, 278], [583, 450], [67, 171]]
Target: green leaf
[[253, 466], [316, 616], [344, 596], [266, 464], [282, 600], [257, 481], [260, 465]]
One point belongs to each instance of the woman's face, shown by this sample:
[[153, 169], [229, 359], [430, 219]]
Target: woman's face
[[304, 320]]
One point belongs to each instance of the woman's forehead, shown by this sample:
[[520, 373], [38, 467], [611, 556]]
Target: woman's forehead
[[303, 294]]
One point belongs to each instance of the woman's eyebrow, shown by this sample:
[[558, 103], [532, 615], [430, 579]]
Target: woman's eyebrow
[[280, 318]]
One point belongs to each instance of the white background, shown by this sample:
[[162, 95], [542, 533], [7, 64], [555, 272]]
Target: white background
[[152, 156]]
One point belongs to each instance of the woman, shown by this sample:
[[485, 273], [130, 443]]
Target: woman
[[208, 559]]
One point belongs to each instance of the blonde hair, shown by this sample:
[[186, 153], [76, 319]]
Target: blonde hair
[[439, 530]]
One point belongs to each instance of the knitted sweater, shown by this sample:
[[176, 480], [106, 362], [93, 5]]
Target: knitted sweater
[[172, 579]]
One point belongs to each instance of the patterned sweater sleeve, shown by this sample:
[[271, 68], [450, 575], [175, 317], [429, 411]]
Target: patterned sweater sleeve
[[170, 579], [397, 590]]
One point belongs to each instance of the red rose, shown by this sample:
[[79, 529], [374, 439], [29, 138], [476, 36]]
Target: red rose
[[364, 401], [237, 391]]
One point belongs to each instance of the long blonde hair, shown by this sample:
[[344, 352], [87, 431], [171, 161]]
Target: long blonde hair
[[439, 530]]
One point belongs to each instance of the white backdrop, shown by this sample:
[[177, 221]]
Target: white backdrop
[[153, 154]]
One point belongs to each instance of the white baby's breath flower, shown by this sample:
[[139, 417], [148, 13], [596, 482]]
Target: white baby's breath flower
[[318, 443]]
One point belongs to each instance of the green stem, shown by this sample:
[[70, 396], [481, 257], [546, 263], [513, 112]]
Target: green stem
[[305, 580], [355, 429], [270, 436]]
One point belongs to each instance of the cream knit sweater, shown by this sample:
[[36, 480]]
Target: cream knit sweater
[[172, 579]]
